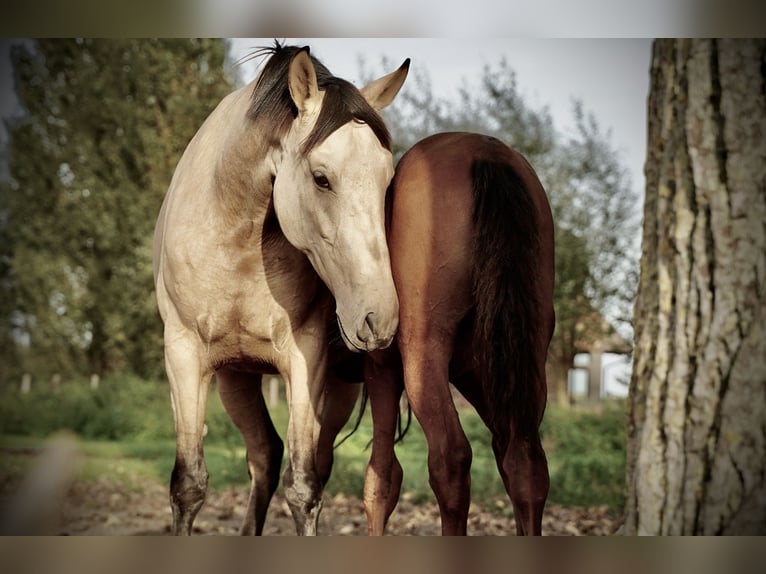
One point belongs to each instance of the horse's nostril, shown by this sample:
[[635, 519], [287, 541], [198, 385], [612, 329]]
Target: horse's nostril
[[369, 322], [367, 330]]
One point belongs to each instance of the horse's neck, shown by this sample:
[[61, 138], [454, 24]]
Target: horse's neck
[[242, 188], [243, 185], [242, 176]]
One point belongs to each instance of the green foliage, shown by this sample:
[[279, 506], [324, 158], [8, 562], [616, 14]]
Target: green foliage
[[130, 419], [123, 407], [586, 455], [585, 449], [105, 123]]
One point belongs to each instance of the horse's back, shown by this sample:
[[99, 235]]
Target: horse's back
[[430, 237], [445, 161], [435, 175], [432, 229]]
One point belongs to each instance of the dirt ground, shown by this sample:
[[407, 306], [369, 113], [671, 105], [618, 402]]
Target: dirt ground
[[39, 501], [104, 508]]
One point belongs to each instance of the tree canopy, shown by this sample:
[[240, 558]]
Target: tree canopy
[[105, 123], [107, 120]]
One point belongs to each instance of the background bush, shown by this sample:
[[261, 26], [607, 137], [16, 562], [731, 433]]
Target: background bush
[[585, 446], [586, 454], [122, 407]]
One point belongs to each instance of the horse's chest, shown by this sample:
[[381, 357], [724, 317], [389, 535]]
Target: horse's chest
[[253, 324]]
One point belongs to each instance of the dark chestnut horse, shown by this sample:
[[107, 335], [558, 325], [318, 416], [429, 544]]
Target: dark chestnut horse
[[471, 246]]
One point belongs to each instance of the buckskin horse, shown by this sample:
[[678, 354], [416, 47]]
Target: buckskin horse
[[272, 227], [471, 247]]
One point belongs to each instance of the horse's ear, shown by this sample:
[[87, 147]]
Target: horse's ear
[[381, 92], [302, 80]]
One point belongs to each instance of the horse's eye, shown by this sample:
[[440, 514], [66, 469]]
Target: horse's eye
[[321, 181]]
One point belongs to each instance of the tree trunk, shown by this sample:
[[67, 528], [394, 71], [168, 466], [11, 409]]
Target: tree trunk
[[697, 422], [558, 381]]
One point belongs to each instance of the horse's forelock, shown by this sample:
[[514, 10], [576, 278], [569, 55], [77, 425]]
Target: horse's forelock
[[271, 102], [344, 103]]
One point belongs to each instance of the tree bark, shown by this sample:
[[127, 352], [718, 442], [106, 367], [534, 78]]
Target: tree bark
[[558, 380], [697, 420]]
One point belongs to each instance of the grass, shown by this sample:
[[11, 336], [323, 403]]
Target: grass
[[125, 430], [587, 454]]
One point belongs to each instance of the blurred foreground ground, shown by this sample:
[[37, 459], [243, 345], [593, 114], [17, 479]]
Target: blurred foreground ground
[[105, 507]]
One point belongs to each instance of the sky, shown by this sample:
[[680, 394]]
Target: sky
[[610, 76]]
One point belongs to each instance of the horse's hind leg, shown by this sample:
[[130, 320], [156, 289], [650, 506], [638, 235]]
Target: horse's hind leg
[[383, 479], [520, 458], [242, 396], [335, 408], [449, 452], [525, 474], [188, 393], [523, 466]]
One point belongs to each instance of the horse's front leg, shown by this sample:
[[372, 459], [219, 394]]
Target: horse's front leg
[[319, 407], [188, 393]]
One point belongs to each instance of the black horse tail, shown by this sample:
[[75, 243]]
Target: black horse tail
[[506, 248]]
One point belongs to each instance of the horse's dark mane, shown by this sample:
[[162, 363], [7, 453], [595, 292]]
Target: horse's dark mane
[[271, 102]]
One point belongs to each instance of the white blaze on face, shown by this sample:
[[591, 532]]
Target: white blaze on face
[[331, 206]]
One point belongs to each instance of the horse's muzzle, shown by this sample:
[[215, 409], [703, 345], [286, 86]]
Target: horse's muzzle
[[376, 334], [372, 334]]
